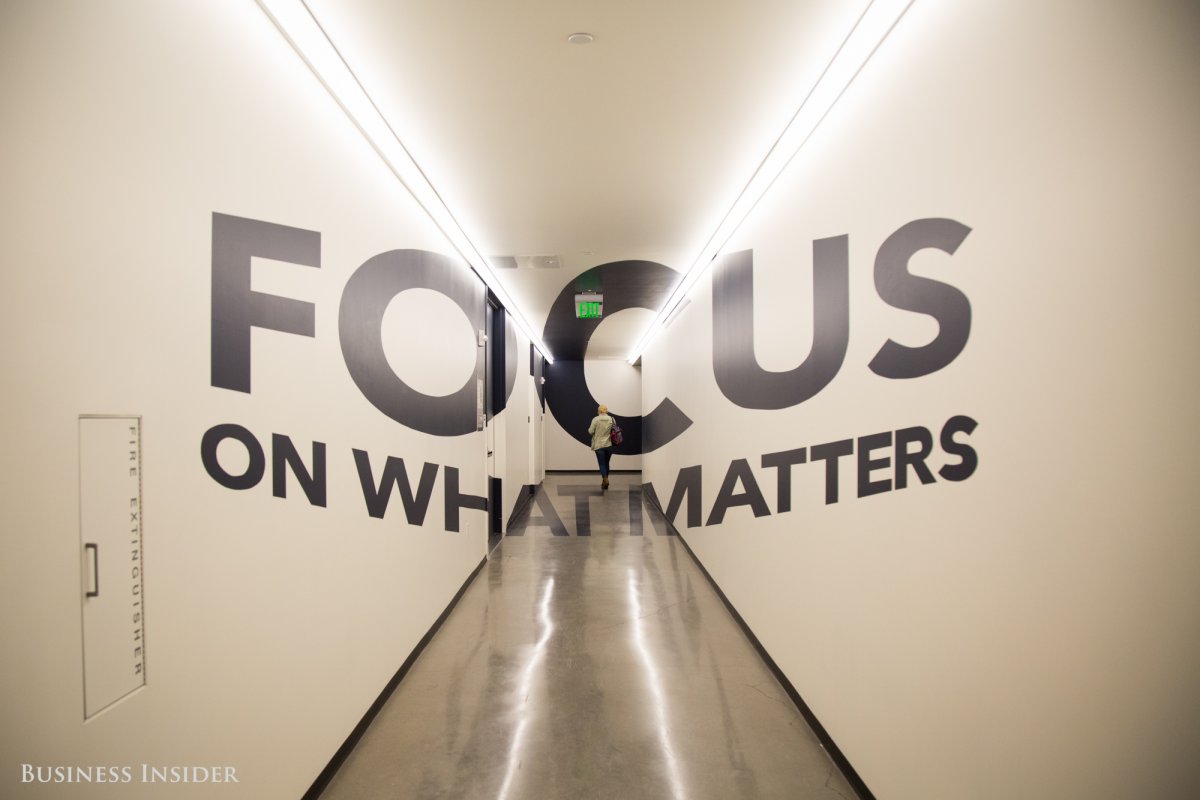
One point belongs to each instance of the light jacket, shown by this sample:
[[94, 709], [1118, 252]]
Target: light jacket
[[601, 431]]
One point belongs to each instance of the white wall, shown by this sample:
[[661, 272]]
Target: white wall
[[614, 383], [271, 624], [1029, 631]]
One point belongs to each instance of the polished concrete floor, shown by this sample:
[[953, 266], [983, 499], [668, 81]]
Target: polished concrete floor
[[600, 665]]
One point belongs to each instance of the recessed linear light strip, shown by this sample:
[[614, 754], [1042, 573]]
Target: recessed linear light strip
[[310, 41], [864, 38]]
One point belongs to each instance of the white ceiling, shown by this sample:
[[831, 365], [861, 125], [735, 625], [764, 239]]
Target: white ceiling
[[631, 147]]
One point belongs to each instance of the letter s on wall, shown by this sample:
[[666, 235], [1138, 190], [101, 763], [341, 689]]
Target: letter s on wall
[[900, 288]]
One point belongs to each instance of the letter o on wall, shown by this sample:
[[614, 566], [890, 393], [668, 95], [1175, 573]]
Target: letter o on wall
[[360, 324], [208, 454]]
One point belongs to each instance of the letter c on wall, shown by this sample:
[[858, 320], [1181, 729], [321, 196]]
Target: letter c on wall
[[626, 284]]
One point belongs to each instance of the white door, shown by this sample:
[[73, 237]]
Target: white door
[[537, 458], [110, 530]]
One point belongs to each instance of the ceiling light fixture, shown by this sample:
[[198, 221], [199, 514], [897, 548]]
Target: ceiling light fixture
[[297, 24], [581, 38], [863, 39]]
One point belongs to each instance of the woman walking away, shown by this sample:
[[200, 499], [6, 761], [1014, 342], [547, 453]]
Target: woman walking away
[[601, 431]]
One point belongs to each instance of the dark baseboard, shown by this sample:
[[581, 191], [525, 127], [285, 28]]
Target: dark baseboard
[[595, 472], [335, 763], [835, 753]]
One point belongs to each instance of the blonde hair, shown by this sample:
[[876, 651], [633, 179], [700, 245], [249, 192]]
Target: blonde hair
[[603, 409]]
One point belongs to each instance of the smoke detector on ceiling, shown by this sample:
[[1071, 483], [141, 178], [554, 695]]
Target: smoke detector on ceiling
[[538, 262]]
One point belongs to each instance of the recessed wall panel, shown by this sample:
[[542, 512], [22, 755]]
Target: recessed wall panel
[[110, 529]]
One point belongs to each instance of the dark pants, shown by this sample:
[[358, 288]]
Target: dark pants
[[602, 457]]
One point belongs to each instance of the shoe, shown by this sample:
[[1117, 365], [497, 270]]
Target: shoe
[[604, 485]]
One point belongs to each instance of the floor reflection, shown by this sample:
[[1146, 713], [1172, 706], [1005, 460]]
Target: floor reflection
[[590, 659], [654, 683], [522, 700]]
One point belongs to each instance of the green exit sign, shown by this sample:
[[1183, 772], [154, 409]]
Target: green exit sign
[[589, 306]]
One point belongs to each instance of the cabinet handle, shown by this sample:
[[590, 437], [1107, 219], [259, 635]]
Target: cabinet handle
[[95, 548]]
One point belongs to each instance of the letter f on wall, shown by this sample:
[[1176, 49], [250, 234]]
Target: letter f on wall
[[735, 366], [236, 307]]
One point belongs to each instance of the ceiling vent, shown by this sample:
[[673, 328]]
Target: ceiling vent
[[525, 262]]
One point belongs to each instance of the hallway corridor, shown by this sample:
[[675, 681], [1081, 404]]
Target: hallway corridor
[[600, 665]]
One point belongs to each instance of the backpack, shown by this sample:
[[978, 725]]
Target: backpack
[[616, 435]]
